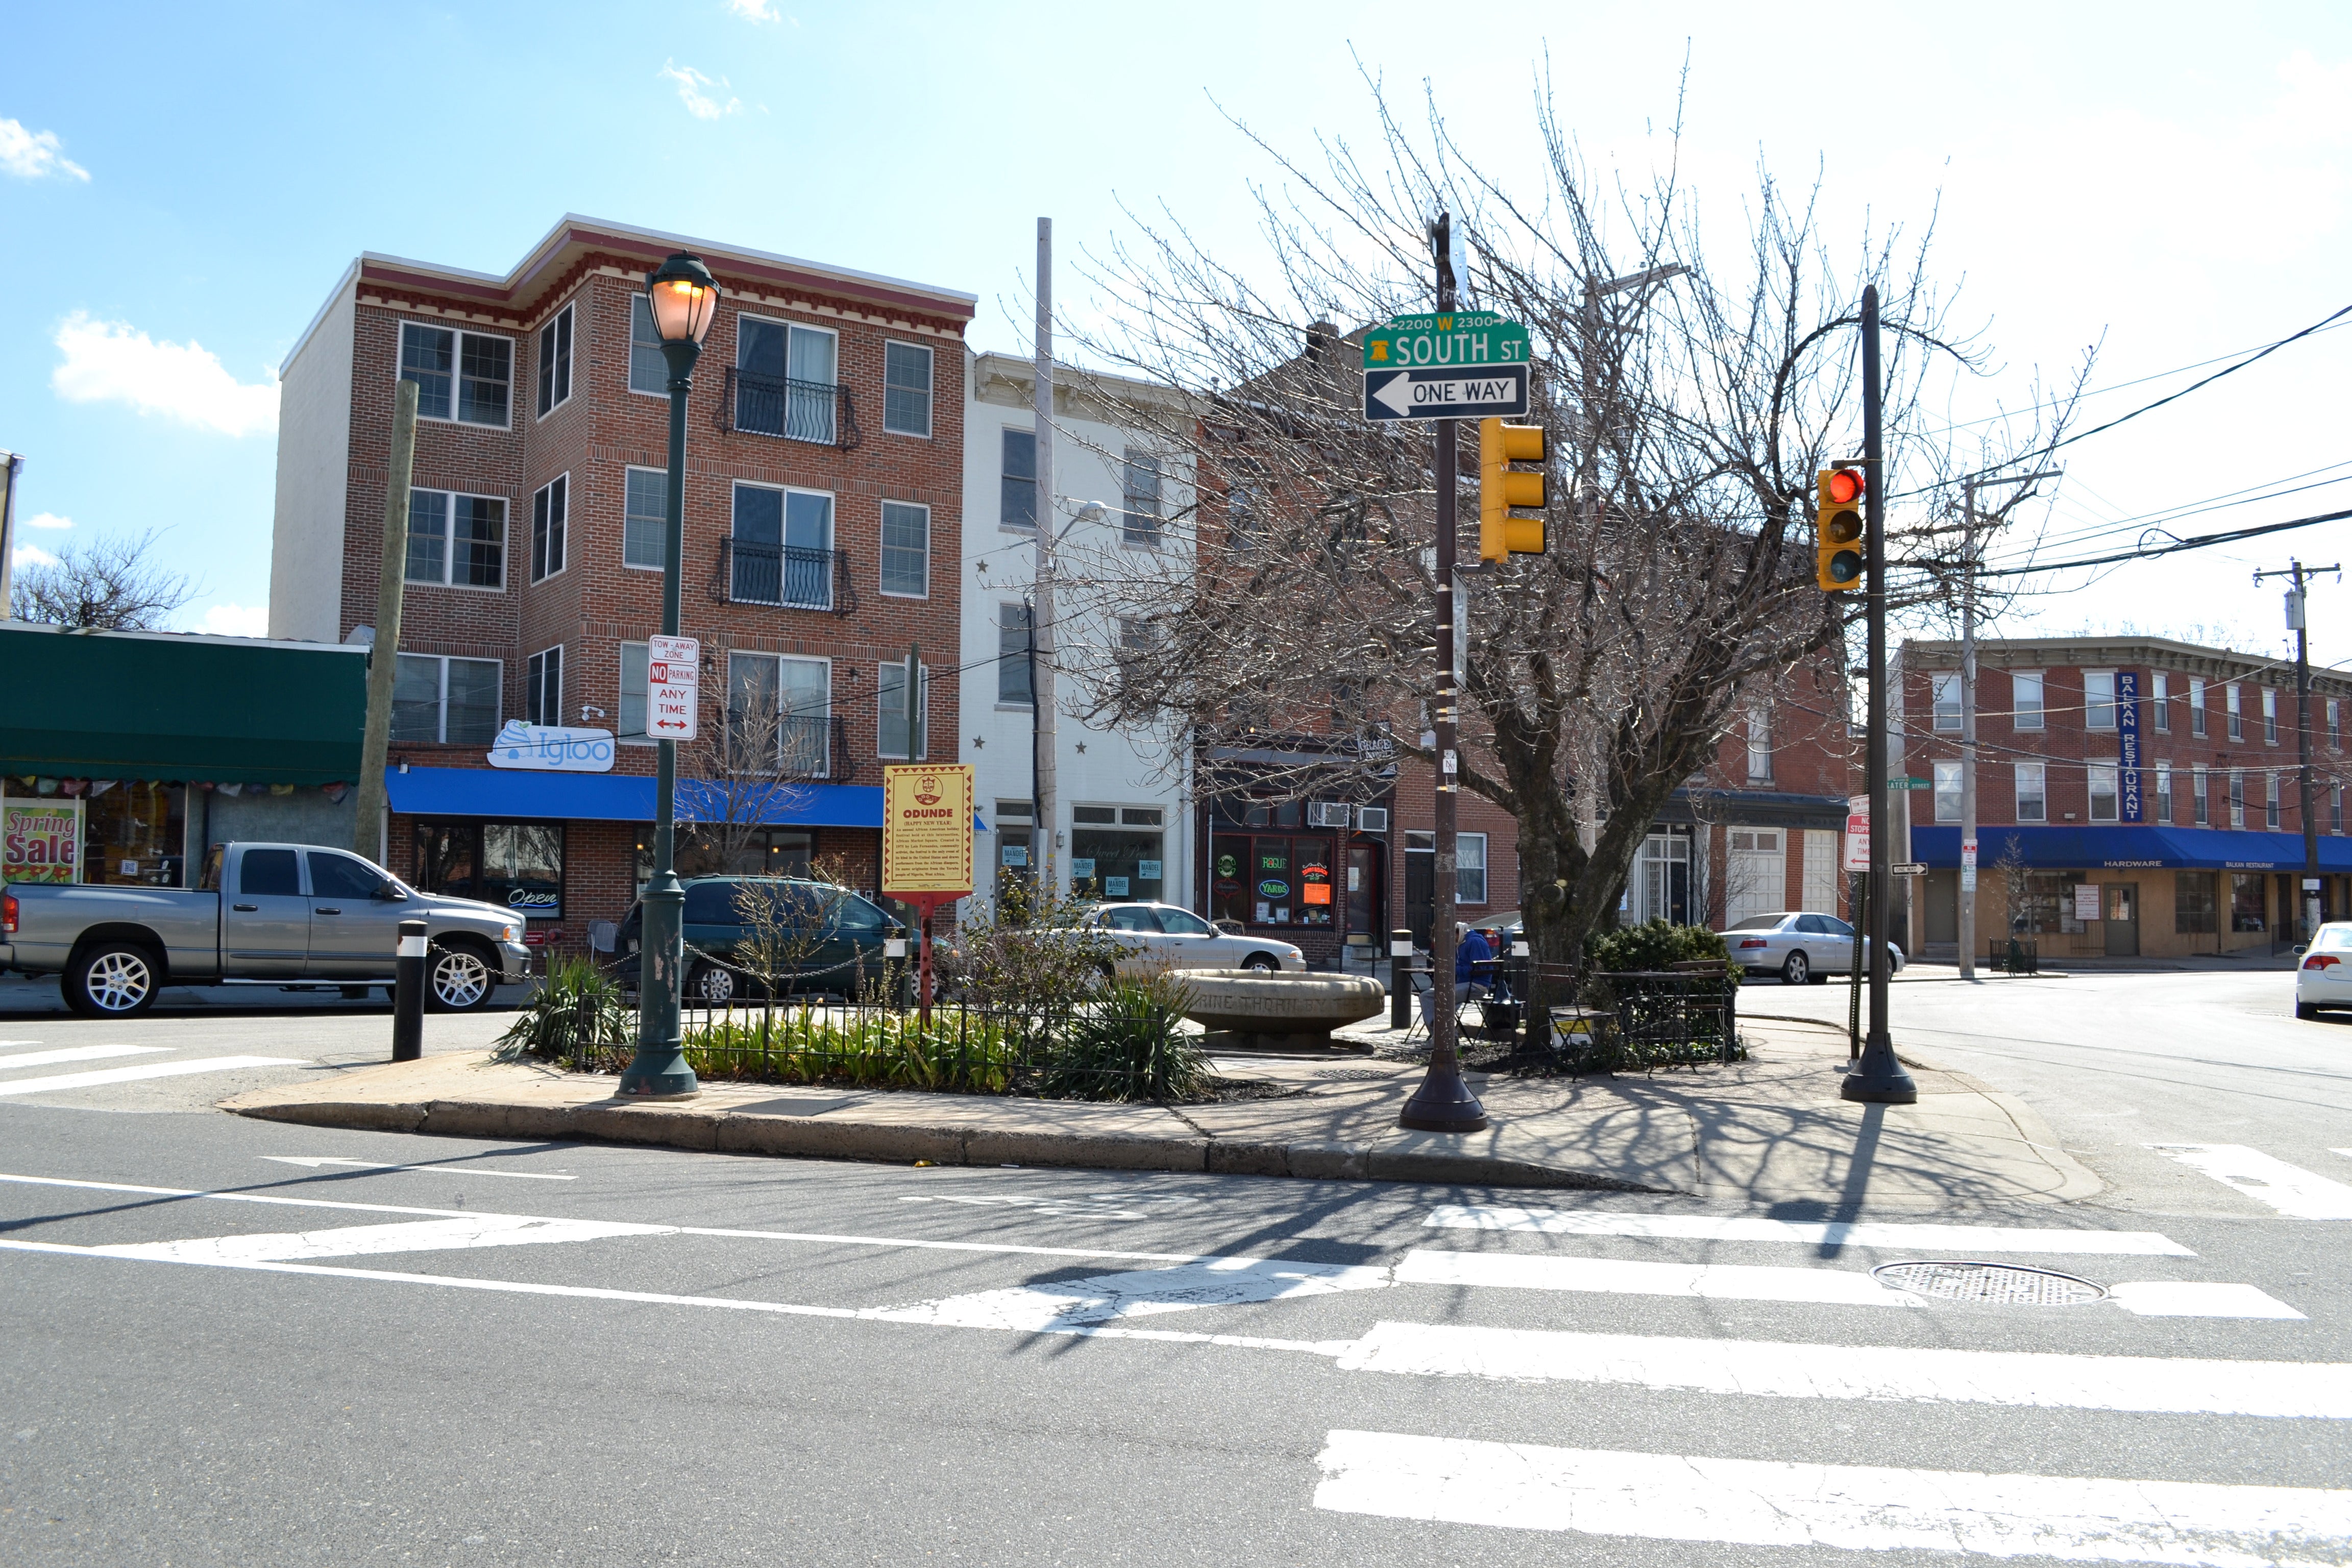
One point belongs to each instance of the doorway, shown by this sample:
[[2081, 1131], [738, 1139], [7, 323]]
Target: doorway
[[2121, 909], [1419, 888], [1367, 900]]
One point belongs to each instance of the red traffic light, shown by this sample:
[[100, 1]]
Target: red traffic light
[[1843, 485]]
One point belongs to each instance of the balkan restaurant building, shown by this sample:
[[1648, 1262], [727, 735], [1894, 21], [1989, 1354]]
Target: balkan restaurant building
[[823, 529]]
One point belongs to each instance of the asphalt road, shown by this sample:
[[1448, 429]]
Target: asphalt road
[[232, 1342]]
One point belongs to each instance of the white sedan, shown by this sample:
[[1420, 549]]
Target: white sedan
[[1798, 946], [1161, 937], [2324, 978]]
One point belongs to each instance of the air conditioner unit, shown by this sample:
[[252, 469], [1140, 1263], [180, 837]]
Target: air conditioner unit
[[1372, 819], [1327, 814]]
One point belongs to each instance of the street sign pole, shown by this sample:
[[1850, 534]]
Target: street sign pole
[[1444, 1102]]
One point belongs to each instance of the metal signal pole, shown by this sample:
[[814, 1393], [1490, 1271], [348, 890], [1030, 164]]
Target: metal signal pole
[[2298, 621]]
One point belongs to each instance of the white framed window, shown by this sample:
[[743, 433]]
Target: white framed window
[[1948, 792], [905, 550], [2025, 699], [1760, 743], [2163, 792], [2269, 715], [542, 687], [1140, 499], [2271, 801], [2033, 792], [2335, 727], [2201, 800], [2161, 687], [2196, 708], [2236, 711], [648, 370], [629, 712], [784, 383], [780, 713], [781, 547], [456, 541], [2098, 698], [1012, 688], [555, 363], [890, 712], [2237, 797], [2335, 809], [1470, 869], [907, 389], [446, 701], [549, 508], [1244, 522], [644, 518], [1946, 691], [2105, 801], [462, 377], [1016, 492]]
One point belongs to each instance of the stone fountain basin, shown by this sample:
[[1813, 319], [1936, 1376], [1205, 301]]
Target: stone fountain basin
[[1268, 1010]]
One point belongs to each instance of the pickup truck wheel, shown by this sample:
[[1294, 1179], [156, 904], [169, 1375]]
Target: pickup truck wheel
[[458, 979], [113, 980]]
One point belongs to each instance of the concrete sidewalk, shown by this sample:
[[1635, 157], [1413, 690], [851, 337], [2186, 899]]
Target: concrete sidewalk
[[1771, 1129]]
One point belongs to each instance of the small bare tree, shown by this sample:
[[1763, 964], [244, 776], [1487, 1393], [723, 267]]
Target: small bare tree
[[113, 584], [742, 774]]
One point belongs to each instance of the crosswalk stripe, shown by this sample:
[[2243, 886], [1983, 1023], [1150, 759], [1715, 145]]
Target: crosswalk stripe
[[322, 1161], [75, 1054], [152, 1069], [1771, 1368], [1751, 1502], [1513, 1270], [367, 1240], [1208, 1282], [2196, 1299], [2289, 1189], [1923, 1238]]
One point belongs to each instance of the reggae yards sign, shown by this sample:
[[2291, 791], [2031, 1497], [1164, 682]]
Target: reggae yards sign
[[927, 831]]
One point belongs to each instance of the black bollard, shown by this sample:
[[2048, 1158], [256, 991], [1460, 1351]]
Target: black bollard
[[1400, 982], [409, 994]]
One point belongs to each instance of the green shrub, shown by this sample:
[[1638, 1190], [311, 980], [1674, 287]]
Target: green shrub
[[1128, 1045], [576, 1012], [1655, 944], [961, 1052]]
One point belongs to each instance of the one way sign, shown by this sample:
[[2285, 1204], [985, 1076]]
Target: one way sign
[[1447, 392]]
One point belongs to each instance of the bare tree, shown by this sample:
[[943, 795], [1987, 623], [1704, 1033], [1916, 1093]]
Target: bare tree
[[742, 774], [114, 583], [1688, 398]]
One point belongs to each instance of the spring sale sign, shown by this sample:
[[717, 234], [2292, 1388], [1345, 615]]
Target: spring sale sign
[[40, 841]]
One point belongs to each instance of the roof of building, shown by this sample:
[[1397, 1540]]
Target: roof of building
[[2126, 651]]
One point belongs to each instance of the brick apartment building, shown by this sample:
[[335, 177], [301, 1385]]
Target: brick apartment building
[[823, 523], [2202, 853]]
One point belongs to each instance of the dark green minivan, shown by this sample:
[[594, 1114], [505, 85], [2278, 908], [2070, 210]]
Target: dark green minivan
[[744, 933]]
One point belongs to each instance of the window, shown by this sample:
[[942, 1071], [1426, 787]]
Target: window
[[1948, 703], [463, 376], [2237, 799], [1016, 504], [2271, 802], [2269, 717], [784, 380], [517, 865], [334, 876], [2162, 691], [542, 687], [451, 701], [2200, 801], [268, 873], [547, 517], [2247, 903], [630, 711], [456, 541], [1243, 524], [779, 714], [2196, 708], [1140, 499], [1012, 655], [1278, 880], [648, 370], [1109, 863], [2102, 793], [2033, 793], [2237, 717], [890, 704], [907, 389], [2163, 792], [1948, 792], [2335, 809], [2334, 727], [644, 518], [781, 548], [2192, 903], [905, 550], [1759, 743], [555, 363], [2099, 698], [1470, 867], [2025, 699]]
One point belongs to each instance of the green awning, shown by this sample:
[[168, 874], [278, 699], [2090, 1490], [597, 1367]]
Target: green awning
[[163, 705]]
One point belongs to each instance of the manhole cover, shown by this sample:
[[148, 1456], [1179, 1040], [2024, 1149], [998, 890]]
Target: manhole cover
[[1354, 1075], [1996, 1284]]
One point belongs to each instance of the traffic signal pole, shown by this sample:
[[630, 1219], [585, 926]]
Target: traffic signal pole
[[1878, 1078], [2307, 911]]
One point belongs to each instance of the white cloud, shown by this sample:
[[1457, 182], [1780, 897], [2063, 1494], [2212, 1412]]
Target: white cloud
[[112, 361], [236, 620], [35, 154], [690, 84], [47, 520], [753, 10], [25, 555]]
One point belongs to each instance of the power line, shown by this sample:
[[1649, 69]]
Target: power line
[[2200, 542], [2175, 397]]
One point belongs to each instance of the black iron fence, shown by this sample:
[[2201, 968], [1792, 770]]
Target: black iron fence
[[817, 411], [1605, 1021], [791, 576]]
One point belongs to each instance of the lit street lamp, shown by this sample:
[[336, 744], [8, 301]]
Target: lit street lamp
[[684, 299]]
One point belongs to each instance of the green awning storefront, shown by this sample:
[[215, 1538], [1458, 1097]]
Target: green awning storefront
[[174, 706]]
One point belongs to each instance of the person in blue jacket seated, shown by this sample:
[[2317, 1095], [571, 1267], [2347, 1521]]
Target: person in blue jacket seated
[[1469, 948]]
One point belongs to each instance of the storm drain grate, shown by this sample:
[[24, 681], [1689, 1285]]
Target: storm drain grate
[[1354, 1075], [1993, 1284]]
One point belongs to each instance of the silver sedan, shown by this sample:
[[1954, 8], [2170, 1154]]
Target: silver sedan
[[1161, 937], [1798, 946]]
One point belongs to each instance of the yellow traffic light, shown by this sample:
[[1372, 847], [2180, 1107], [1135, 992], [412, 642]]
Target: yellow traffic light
[[1501, 535], [1838, 547]]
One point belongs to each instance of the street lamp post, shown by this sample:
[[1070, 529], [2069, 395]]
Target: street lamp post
[[684, 298]]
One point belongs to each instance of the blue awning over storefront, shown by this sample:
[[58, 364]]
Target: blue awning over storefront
[[2073, 848], [627, 797]]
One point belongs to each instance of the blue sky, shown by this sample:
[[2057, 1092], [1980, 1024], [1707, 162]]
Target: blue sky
[[176, 204]]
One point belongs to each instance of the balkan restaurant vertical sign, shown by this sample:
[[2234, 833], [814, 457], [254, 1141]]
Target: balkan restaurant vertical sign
[[927, 831], [2134, 808]]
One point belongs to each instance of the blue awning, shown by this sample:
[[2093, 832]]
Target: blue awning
[[2073, 848], [627, 797]]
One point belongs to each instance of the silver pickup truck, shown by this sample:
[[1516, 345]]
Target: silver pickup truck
[[264, 914]]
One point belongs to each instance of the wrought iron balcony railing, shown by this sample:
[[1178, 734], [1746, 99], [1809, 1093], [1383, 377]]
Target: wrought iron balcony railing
[[788, 746], [814, 411], [786, 575]]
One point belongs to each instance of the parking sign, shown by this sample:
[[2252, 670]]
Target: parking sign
[[673, 680]]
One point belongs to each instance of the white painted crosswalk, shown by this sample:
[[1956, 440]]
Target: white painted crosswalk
[[2266, 1179], [55, 1082], [15, 1060], [1916, 1237]]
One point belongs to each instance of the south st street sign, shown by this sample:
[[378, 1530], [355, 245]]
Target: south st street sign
[[1455, 365]]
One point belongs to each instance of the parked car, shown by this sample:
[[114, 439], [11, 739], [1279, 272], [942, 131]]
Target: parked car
[[2324, 978], [829, 941], [1162, 937], [262, 914], [1800, 946]]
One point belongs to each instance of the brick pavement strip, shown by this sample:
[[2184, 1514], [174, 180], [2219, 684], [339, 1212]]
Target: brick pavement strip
[[1771, 1129]]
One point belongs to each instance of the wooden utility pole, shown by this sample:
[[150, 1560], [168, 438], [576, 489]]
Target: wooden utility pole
[[384, 657]]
